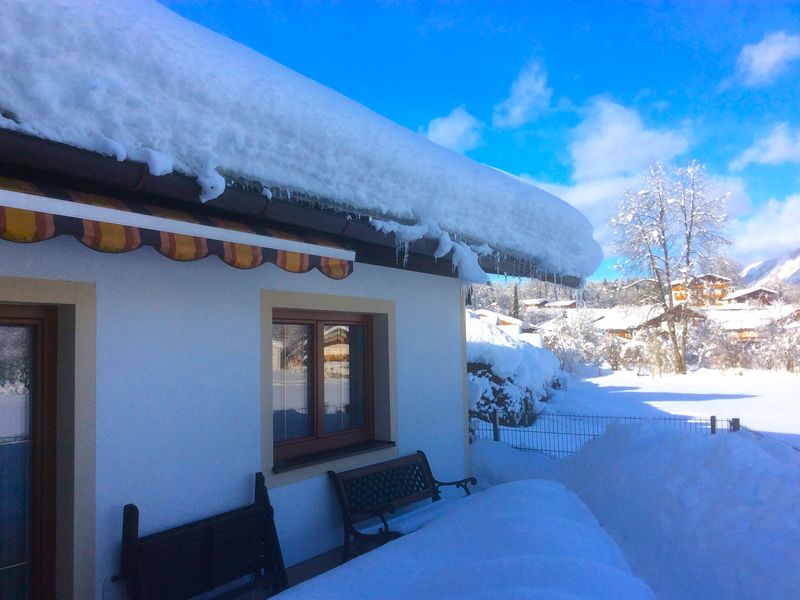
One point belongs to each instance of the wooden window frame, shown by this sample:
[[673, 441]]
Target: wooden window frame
[[320, 441], [43, 321]]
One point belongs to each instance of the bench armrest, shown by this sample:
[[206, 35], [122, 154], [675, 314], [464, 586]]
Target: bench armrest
[[462, 483], [379, 512]]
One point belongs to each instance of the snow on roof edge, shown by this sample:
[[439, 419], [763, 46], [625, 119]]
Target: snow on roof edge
[[132, 90]]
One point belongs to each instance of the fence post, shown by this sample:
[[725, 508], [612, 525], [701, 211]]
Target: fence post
[[713, 424], [496, 427], [735, 424]]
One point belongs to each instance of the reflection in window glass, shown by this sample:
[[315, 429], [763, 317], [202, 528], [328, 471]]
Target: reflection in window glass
[[291, 373], [344, 376], [16, 364], [15, 396]]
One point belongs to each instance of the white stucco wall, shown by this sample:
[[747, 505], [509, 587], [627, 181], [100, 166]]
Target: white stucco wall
[[178, 385]]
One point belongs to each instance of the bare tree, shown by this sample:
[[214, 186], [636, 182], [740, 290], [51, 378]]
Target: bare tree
[[664, 230]]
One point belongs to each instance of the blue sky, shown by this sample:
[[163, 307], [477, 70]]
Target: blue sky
[[579, 97]]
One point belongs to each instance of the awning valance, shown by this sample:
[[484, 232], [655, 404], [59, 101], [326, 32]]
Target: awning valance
[[31, 213]]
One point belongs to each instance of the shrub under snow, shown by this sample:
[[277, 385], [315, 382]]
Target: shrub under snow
[[507, 372]]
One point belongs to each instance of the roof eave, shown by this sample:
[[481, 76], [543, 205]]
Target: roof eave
[[248, 199]]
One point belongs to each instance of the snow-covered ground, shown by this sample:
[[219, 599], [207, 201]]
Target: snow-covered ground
[[527, 539], [767, 401], [697, 516]]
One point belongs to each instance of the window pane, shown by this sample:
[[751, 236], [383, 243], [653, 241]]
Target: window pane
[[344, 376], [16, 364], [291, 376]]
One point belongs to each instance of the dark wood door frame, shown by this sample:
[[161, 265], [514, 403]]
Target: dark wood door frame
[[44, 323]]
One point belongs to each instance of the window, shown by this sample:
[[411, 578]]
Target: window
[[322, 374]]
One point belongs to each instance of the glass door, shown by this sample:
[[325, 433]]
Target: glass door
[[27, 452]]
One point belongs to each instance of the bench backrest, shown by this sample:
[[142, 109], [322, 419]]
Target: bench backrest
[[397, 482], [197, 557]]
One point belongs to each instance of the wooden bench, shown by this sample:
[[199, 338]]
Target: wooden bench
[[373, 492], [199, 557]]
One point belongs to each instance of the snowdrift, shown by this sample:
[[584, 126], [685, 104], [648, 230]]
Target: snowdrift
[[526, 539], [697, 516]]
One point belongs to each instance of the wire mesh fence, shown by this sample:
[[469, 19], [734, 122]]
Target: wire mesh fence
[[558, 435]]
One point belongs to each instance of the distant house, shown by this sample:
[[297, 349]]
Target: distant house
[[704, 290], [621, 321], [746, 323], [531, 303], [754, 295], [200, 267], [561, 304], [625, 321], [505, 322]]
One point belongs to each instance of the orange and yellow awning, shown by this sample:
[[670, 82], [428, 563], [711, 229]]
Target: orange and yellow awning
[[29, 213]]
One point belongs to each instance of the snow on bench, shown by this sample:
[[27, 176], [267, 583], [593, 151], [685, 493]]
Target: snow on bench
[[522, 539], [375, 492]]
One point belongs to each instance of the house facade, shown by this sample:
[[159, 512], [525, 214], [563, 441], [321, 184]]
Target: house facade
[[755, 295], [169, 402], [704, 290], [197, 286]]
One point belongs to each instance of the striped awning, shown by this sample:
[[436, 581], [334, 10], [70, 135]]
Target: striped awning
[[33, 213]]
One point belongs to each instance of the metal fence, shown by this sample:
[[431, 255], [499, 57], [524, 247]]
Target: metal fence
[[760, 435], [558, 435]]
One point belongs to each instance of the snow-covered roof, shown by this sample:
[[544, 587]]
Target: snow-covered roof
[[534, 301], [747, 292], [561, 304], [496, 318], [134, 80], [740, 319], [625, 318], [713, 276]]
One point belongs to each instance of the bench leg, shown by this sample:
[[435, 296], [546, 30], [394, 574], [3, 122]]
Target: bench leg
[[347, 554]]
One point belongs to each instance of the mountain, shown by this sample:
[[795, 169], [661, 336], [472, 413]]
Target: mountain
[[772, 272]]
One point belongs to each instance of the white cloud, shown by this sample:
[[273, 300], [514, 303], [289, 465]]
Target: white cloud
[[781, 145], [739, 202], [759, 64], [770, 231], [611, 150], [528, 98], [459, 130], [612, 140]]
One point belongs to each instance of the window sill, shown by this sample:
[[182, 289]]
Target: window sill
[[299, 462]]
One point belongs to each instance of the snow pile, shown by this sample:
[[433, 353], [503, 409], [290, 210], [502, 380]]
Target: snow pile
[[697, 516], [132, 79], [507, 372], [528, 539]]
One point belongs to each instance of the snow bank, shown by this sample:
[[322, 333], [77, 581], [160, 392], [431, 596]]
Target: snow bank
[[506, 372], [132, 79], [528, 539], [510, 356], [697, 516]]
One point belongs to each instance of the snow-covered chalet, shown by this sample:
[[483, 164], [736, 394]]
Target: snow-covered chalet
[[211, 266]]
